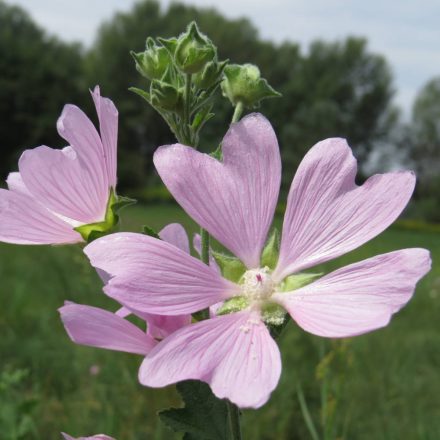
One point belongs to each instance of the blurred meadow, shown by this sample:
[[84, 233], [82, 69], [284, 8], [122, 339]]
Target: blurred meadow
[[383, 385]]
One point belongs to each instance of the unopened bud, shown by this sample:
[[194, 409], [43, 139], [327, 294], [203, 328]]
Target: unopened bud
[[194, 50], [243, 83], [153, 62], [211, 74]]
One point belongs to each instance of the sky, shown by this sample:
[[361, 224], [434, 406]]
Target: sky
[[406, 32]]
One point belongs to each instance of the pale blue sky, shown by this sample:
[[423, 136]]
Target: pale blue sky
[[407, 32]]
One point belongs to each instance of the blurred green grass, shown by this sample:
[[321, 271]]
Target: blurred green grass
[[384, 385]]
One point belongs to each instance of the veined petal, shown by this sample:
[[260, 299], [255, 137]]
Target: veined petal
[[58, 180], [234, 353], [161, 326], [357, 298], [152, 276], [328, 214], [24, 221], [175, 234], [77, 129], [96, 327], [108, 127], [233, 200]]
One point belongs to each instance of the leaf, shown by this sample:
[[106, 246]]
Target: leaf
[[269, 256], [146, 230], [232, 268], [204, 416]]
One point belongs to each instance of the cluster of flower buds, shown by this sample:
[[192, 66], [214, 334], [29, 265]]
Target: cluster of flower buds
[[185, 73]]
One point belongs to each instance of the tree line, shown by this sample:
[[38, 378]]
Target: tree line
[[333, 89]]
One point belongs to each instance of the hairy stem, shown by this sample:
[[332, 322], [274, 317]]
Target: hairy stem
[[186, 109], [234, 421], [237, 112]]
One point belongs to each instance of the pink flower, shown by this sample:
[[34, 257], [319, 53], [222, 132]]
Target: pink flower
[[327, 215], [93, 437], [56, 191], [96, 327]]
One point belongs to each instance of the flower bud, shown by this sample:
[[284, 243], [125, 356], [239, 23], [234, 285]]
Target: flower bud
[[194, 50], [153, 62], [243, 83], [164, 95], [211, 73]]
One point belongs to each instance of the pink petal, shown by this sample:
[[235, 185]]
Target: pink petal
[[24, 221], [152, 276], [58, 180], [160, 326], [15, 183], [175, 234], [77, 129], [357, 298], [108, 126], [96, 327], [328, 214], [234, 353], [234, 200]]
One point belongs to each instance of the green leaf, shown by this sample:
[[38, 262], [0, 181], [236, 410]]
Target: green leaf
[[204, 416], [146, 230], [232, 268], [269, 257]]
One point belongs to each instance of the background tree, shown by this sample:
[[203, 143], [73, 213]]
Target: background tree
[[38, 75]]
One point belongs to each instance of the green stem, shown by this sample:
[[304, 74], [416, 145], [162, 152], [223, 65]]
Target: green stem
[[204, 257], [204, 252], [234, 421], [186, 109], [237, 112]]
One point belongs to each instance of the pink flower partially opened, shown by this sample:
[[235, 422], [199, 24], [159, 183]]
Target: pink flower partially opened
[[57, 191], [327, 215], [96, 327]]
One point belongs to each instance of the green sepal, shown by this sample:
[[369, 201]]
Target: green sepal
[[217, 153], [204, 416], [210, 75], [232, 268], [201, 118], [141, 93], [269, 256], [272, 314], [233, 305], [170, 44], [298, 280], [163, 94], [121, 203], [92, 231], [146, 230]]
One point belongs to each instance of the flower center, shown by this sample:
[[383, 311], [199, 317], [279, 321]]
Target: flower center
[[257, 284]]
